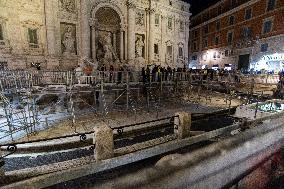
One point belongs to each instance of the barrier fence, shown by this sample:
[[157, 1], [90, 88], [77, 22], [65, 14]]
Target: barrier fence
[[10, 79]]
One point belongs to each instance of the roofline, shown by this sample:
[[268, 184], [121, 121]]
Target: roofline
[[210, 7], [251, 2]]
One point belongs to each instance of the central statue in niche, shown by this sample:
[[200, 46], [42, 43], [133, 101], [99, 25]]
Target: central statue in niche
[[106, 53]]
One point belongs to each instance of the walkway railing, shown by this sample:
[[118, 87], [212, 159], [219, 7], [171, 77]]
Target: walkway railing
[[13, 79]]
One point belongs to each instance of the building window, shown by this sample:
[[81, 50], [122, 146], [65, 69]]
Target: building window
[[195, 34], [170, 23], [169, 50], [194, 45], [206, 29], [205, 43], [264, 47], [231, 20], [246, 32], [230, 38], [218, 25], [219, 10], [1, 32], [207, 16], [215, 55], [226, 53], [233, 3], [248, 14], [170, 3], [194, 57], [157, 19], [216, 40], [33, 39], [156, 48], [267, 26], [180, 52], [271, 5]]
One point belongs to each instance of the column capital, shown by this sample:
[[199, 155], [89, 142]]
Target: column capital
[[123, 27], [131, 5], [187, 23], [150, 11], [93, 22]]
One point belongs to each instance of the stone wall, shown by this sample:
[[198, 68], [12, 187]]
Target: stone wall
[[60, 34]]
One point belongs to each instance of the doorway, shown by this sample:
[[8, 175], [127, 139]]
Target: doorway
[[244, 62]]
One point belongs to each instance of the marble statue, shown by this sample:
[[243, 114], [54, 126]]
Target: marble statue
[[68, 41], [110, 55], [139, 47]]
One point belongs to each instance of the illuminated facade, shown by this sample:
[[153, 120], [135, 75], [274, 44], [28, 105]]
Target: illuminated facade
[[243, 33], [63, 33]]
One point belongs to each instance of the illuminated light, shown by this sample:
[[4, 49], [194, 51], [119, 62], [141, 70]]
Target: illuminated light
[[205, 57], [210, 54], [215, 67], [203, 66], [228, 67], [269, 62], [274, 57]]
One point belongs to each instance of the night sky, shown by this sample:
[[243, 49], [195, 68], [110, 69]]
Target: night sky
[[199, 5]]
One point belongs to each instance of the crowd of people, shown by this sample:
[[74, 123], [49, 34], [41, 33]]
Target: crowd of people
[[157, 73]]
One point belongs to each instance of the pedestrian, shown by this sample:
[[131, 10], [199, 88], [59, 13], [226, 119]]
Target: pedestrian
[[111, 69]]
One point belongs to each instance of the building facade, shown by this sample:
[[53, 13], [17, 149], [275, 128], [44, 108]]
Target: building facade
[[244, 34], [63, 33]]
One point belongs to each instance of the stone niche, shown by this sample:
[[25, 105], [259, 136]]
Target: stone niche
[[68, 39], [68, 46], [140, 50], [108, 37]]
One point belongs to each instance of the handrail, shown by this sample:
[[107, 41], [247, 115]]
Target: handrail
[[142, 123]]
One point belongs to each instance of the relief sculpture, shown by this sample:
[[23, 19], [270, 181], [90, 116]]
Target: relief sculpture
[[67, 5], [139, 18]]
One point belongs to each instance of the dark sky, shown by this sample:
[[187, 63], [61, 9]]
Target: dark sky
[[199, 5]]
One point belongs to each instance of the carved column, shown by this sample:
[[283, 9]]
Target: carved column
[[121, 45], [151, 35], [114, 42], [131, 31], [94, 55], [186, 52], [50, 27], [163, 41], [50, 16], [85, 29]]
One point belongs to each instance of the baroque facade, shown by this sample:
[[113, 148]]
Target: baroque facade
[[60, 34], [243, 34]]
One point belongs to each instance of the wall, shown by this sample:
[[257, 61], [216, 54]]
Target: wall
[[68, 33], [240, 44]]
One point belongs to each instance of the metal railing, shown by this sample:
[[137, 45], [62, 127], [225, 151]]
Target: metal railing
[[14, 79]]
